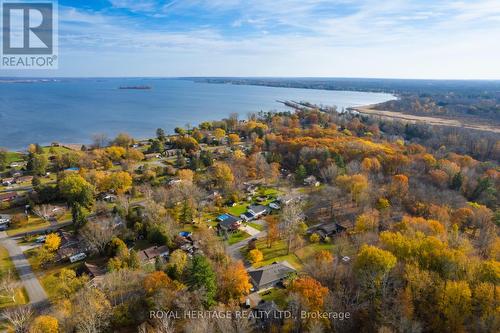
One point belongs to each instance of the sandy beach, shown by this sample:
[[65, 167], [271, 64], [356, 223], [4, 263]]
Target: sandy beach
[[368, 109]]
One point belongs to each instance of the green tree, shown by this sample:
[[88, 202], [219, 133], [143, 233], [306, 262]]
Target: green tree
[[300, 173], [202, 277], [37, 164], [76, 190], [160, 134], [3, 159]]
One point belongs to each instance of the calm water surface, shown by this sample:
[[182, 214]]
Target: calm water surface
[[72, 110]]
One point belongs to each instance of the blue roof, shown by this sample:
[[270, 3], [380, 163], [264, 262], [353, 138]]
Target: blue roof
[[223, 217]]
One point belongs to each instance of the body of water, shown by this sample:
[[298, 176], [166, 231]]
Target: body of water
[[72, 110]]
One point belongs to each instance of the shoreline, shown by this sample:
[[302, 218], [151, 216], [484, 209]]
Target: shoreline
[[431, 120]]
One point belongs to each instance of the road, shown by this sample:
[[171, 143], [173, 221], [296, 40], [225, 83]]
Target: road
[[36, 293], [235, 249]]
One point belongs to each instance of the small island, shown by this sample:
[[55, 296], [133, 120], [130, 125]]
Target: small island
[[135, 88]]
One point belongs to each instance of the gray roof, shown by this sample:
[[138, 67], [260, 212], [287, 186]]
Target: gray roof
[[229, 222], [258, 209], [271, 273]]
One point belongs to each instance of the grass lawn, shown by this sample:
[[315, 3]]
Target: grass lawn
[[276, 253], [237, 237], [278, 295], [33, 224], [306, 253], [5, 265], [14, 157], [54, 150], [238, 209], [257, 226]]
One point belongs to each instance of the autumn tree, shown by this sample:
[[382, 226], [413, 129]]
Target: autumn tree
[[52, 242], [156, 280], [311, 292], [373, 266], [455, 305], [123, 140], [186, 175], [234, 281], [219, 134], [79, 194], [44, 324], [233, 138], [222, 175], [178, 261], [273, 230], [367, 222], [255, 256]]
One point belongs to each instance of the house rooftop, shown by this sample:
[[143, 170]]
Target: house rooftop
[[271, 273], [153, 252], [258, 209]]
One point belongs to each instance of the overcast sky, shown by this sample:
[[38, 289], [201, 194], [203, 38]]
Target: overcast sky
[[441, 39]]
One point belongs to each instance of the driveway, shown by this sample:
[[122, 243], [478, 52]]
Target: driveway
[[35, 291], [235, 249], [250, 230]]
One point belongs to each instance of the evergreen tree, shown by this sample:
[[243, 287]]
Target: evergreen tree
[[202, 276]]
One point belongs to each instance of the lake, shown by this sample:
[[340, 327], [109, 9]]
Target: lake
[[72, 110]]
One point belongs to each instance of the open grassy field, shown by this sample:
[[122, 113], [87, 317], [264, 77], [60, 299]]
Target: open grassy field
[[297, 258], [14, 157]]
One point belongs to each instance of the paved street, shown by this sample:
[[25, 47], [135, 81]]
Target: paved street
[[36, 293], [235, 249]]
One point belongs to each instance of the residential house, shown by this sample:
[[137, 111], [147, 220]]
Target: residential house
[[271, 275], [94, 272], [228, 222], [8, 196], [326, 229], [8, 181], [70, 246], [150, 254], [24, 179], [254, 212]]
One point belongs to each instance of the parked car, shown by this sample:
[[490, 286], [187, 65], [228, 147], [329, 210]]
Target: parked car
[[41, 239], [77, 257], [274, 205]]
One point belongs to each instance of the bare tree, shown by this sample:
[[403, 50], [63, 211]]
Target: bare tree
[[91, 310], [98, 234], [290, 219], [199, 326], [100, 140], [329, 173], [165, 325], [8, 286], [19, 317]]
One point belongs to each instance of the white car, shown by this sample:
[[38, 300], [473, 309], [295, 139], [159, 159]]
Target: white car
[[77, 257], [41, 239], [274, 205]]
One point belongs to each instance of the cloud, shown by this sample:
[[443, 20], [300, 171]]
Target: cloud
[[400, 38]]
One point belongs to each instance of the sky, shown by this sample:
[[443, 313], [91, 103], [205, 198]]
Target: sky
[[438, 39]]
